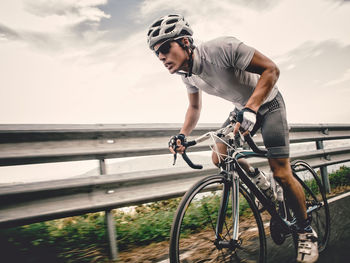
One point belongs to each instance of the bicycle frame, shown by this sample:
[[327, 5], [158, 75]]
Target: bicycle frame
[[266, 202], [236, 176], [232, 234]]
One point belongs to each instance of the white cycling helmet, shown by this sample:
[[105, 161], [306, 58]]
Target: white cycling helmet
[[167, 27]]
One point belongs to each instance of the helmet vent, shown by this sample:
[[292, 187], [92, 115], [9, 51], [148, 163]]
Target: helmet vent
[[155, 33], [169, 29], [171, 21], [157, 23], [184, 32], [149, 32]]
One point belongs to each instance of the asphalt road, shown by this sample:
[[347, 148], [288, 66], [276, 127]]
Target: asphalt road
[[338, 249]]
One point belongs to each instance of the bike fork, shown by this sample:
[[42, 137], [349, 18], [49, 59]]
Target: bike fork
[[235, 206], [232, 242]]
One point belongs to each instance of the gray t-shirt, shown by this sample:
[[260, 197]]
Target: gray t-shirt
[[219, 69]]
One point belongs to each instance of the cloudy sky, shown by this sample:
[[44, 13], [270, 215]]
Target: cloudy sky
[[87, 61]]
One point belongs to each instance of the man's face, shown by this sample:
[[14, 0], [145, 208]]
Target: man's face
[[172, 55]]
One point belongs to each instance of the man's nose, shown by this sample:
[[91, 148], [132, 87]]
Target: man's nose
[[161, 56]]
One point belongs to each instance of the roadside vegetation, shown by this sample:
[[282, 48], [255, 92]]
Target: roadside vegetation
[[83, 238]]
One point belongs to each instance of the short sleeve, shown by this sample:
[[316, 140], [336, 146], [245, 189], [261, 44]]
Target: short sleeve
[[190, 85], [236, 53], [244, 55]]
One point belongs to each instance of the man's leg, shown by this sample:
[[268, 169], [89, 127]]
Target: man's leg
[[307, 237], [275, 133], [283, 175], [274, 130], [292, 189]]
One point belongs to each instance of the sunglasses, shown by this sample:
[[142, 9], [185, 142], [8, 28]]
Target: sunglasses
[[164, 48]]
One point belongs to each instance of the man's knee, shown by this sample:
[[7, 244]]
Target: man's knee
[[281, 169], [217, 153], [279, 164], [215, 159]]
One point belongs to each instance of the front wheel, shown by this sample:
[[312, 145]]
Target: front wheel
[[316, 201], [197, 232]]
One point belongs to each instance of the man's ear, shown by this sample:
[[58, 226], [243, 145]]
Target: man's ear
[[186, 41]]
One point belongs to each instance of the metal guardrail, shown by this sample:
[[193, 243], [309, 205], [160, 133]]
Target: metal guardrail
[[31, 144]]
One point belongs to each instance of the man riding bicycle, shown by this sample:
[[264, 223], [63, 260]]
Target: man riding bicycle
[[227, 68]]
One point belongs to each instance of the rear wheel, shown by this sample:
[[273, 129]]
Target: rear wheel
[[316, 201], [195, 235]]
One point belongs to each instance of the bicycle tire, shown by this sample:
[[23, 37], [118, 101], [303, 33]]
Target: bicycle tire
[[315, 194], [193, 231]]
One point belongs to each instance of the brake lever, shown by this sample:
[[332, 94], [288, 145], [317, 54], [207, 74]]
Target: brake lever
[[175, 156], [184, 155]]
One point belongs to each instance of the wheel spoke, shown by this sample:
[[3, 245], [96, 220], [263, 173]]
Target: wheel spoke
[[209, 217], [228, 231], [314, 192], [193, 237]]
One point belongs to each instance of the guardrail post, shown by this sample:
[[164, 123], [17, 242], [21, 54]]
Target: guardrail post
[[323, 169], [110, 223]]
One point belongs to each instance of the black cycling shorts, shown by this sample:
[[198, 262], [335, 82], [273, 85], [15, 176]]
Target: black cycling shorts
[[271, 119]]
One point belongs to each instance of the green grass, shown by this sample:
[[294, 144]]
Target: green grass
[[340, 177], [83, 238]]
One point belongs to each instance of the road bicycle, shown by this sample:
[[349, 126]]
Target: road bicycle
[[218, 219]]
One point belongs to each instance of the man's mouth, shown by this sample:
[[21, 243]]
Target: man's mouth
[[168, 65]]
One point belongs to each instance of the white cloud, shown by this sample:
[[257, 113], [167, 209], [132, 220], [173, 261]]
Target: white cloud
[[342, 79], [276, 29], [78, 76], [48, 25], [317, 83], [74, 10]]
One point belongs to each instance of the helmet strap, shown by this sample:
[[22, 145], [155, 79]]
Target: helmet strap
[[190, 61], [189, 50]]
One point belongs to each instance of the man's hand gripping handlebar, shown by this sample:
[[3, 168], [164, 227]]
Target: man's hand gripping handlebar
[[221, 132], [179, 142]]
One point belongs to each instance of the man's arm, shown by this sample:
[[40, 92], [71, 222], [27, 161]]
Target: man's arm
[[191, 118], [193, 112], [269, 74]]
